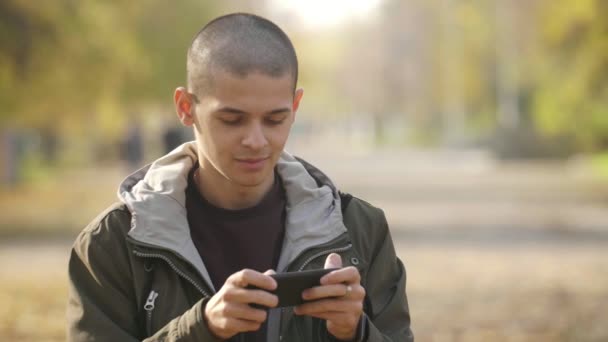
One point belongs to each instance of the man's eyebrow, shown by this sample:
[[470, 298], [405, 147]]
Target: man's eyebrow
[[279, 110], [230, 110], [238, 111]]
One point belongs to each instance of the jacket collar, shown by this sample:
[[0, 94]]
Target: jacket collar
[[155, 196]]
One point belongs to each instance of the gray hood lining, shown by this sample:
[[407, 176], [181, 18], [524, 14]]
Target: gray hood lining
[[155, 196]]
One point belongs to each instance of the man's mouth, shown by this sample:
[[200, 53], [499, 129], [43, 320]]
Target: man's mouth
[[253, 163], [252, 160]]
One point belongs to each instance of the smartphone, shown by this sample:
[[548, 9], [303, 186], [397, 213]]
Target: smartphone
[[291, 284]]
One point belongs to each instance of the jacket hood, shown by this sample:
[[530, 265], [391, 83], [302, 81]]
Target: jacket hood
[[156, 198]]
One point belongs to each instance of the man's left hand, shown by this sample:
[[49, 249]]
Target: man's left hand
[[339, 299]]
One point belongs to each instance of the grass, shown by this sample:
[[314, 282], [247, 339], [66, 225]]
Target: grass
[[600, 165]]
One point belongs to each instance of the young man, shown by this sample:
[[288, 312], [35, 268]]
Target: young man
[[188, 252]]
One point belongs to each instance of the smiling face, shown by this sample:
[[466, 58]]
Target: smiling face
[[241, 127]]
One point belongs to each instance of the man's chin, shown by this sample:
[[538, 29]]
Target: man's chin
[[249, 182]]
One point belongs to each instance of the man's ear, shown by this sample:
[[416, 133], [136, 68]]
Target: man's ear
[[297, 97], [183, 106]]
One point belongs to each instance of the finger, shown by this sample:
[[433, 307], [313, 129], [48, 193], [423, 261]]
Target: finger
[[347, 275], [318, 292], [329, 305], [249, 277], [338, 319], [235, 325], [270, 272], [245, 312], [333, 261], [250, 296]]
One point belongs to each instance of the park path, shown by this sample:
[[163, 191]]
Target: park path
[[470, 196], [442, 197]]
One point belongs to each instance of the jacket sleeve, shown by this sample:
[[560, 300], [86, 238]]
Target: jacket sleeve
[[388, 316], [101, 299]]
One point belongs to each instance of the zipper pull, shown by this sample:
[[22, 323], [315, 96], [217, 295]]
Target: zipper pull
[[149, 306]]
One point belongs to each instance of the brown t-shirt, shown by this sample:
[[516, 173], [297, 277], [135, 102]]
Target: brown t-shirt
[[231, 240]]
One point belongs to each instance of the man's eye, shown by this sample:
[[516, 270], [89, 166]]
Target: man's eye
[[274, 122], [231, 122]]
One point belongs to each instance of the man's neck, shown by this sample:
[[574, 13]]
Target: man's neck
[[223, 193]]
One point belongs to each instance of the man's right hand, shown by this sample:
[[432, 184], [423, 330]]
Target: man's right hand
[[228, 312]]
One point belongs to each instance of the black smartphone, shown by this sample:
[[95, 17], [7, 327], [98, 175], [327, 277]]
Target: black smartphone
[[291, 284]]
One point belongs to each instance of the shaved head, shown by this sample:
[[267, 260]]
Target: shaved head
[[239, 44]]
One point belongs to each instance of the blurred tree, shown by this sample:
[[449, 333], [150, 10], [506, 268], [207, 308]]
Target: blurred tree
[[76, 68], [426, 62], [61, 53], [572, 80], [444, 67], [475, 67], [388, 71]]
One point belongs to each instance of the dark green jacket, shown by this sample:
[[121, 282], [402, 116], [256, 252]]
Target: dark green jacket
[[136, 275]]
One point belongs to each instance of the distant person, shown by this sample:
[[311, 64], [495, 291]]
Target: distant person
[[49, 146], [172, 138], [176, 258], [10, 156], [133, 145]]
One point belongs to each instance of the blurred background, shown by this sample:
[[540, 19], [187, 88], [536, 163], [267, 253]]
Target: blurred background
[[480, 127]]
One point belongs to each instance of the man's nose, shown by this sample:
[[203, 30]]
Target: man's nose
[[255, 138]]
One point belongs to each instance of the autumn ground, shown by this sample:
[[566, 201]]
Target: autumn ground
[[494, 251]]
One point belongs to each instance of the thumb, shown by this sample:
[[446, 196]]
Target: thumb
[[270, 273], [333, 261]]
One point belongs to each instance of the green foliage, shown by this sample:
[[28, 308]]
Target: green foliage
[[600, 164], [77, 64], [572, 89], [61, 71]]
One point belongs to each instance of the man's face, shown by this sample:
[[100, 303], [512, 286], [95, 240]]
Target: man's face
[[242, 126]]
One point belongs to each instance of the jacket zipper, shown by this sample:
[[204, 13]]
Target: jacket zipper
[[177, 270], [149, 306]]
